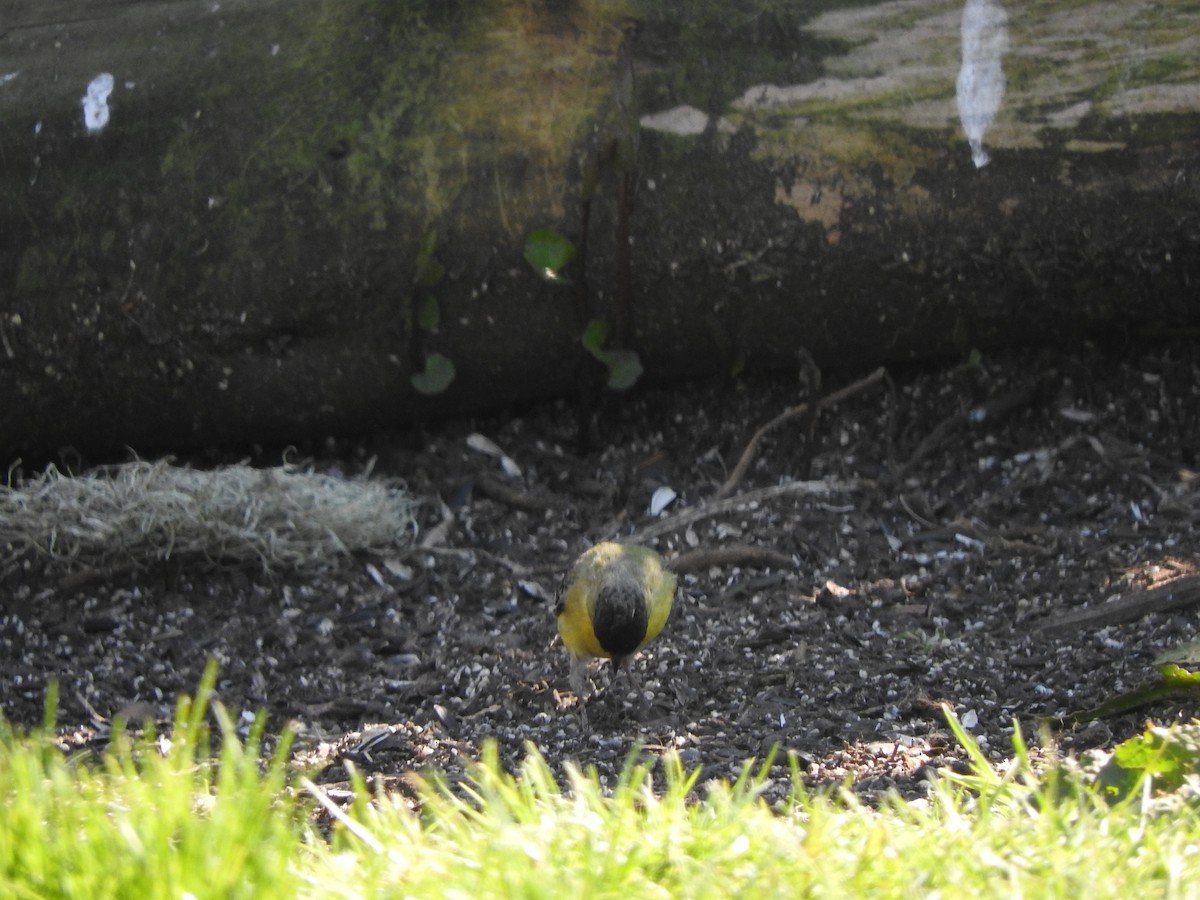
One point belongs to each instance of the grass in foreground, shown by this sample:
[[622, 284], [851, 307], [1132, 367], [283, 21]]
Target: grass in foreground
[[157, 821]]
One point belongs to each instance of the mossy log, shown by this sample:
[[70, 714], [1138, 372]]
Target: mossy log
[[273, 212]]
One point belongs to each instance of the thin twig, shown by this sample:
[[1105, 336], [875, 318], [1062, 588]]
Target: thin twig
[[933, 440], [472, 554], [494, 489], [792, 412], [989, 413], [823, 488]]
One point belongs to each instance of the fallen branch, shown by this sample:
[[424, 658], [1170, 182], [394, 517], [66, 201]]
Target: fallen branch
[[792, 412], [1174, 594]]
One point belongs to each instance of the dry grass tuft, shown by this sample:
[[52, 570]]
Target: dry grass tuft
[[140, 513]]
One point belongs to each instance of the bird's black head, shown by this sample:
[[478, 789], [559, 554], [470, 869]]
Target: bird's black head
[[620, 619]]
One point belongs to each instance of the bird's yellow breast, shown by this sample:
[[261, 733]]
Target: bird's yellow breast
[[624, 571]]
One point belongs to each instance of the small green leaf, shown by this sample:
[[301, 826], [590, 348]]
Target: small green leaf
[[624, 369], [548, 251], [429, 314], [624, 366], [1165, 755], [594, 336], [439, 372]]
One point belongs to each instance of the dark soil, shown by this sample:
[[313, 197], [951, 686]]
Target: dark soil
[[963, 509]]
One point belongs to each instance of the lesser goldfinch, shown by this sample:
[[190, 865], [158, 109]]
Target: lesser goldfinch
[[614, 601]]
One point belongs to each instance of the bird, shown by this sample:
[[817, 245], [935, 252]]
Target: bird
[[614, 600]]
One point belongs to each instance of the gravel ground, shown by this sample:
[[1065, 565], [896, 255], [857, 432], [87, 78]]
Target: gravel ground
[[918, 542]]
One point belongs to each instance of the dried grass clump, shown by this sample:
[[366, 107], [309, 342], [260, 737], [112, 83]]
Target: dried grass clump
[[139, 513]]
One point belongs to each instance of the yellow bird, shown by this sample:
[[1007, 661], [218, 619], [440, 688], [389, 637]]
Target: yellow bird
[[614, 601]]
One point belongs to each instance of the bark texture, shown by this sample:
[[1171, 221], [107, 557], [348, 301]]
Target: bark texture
[[280, 209]]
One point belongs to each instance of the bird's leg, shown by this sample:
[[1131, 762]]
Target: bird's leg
[[619, 666], [632, 684], [579, 677], [634, 680], [579, 685]]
